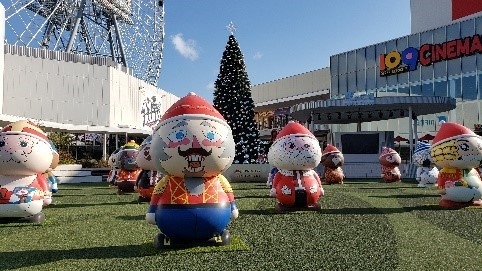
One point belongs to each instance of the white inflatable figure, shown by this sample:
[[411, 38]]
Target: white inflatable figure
[[426, 173], [25, 154], [114, 166]]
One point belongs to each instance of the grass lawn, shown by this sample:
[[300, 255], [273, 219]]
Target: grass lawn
[[363, 225]]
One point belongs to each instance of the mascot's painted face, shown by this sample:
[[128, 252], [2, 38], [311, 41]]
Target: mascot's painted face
[[390, 159], [464, 152], [295, 152], [333, 160], [23, 154], [144, 159], [192, 146], [113, 158], [127, 159]]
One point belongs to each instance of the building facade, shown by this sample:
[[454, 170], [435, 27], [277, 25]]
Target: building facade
[[445, 61]]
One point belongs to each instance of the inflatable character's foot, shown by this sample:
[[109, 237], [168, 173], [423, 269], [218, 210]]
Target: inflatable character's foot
[[453, 204], [142, 199], [36, 218], [223, 239], [161, 241]]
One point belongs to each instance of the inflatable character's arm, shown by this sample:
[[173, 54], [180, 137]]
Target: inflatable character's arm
[[322, 191], [276, 178], [229, 191], [156, 195]]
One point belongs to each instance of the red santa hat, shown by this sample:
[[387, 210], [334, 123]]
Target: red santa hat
[[451, 130], [294, 128], [386, 151], [25, 127], [191, 104], [330, 149]]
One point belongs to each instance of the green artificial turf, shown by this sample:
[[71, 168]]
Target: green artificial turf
[[363, 225]]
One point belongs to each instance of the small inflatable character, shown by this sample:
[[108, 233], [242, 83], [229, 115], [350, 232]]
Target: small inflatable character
[[114, 165], [390, 161], [192, 145], [128, 168], [332, 160], [458, 151], [51, 178], [426, 173], [271, 175], [25, 154], [296, 152], [148, 176]]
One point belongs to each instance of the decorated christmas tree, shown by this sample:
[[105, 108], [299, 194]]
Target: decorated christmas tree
[[232, 97]]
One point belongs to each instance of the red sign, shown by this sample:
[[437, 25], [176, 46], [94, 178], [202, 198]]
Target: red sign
[[462, 8]]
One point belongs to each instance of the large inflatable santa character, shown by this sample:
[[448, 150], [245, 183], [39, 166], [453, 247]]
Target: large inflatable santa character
[[458, 151], [296, 152], [192, 146]]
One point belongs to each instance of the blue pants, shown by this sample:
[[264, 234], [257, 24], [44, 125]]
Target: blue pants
[[193, 221]]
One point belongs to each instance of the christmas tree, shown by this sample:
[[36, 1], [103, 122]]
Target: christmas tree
[[232, 97]]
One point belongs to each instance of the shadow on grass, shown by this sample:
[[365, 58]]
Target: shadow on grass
[[253, 197], [384, 188], [131, 217], [17, 259], [379, 211], [75, 205], [408, 196]]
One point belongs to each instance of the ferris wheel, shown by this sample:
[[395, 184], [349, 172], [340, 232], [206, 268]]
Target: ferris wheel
[[131, 32]]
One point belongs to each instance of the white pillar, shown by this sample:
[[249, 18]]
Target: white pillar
[[410, 132], [104, 147]]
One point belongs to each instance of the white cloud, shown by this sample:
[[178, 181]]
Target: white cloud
[[258, 55], [187, 48], [210, 86]]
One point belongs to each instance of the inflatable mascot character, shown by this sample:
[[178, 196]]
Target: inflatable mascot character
[[271, 174], [114, 167], [332, 160], [25, 154], [128, 168], [296, 152], [52, 180], [147, 178], [457, 150], [390, 161], [426, 173], [192, 146]]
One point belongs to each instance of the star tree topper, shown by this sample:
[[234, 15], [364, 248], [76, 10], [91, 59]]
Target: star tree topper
[[231, 27]]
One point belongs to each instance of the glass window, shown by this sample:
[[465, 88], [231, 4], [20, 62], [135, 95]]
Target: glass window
[[371, 58], [341, 63], [390, 45], [439, 35], [440, 69], [414, 75], [334, 86], [454, 66], [334, 65], [426, 37], [402, 43], [360, 80], [342, 87], [455, 86], [404, 90], [480, 83], [371, 78], [380, 49], [427, 72], [416, 90], [360, 59], [469, 88], [351, 61], [478, 29], [467, 28], [403, 78], [440, 88], [381, 81], [453, 31], [468, 64], [414, 40], [427, 89], [352, 81]]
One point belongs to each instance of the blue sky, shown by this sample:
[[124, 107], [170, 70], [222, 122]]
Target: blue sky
[[278, 38]]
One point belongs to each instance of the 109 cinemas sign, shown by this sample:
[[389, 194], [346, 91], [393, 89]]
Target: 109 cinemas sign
[[399, 62]]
